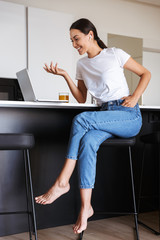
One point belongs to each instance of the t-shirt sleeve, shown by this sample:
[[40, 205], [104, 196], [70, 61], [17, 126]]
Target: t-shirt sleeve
[[121, 56], [78, 72]]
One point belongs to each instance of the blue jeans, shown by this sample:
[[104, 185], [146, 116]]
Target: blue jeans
[[90, 129]]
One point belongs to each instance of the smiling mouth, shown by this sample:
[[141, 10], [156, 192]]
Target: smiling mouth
[[78, 48]]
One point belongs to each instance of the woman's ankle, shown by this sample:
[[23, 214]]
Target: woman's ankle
[[86, 206], [62, 183]]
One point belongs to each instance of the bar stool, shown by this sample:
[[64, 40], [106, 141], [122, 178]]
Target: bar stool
[[124, 142], [23, 142], [154, 139]]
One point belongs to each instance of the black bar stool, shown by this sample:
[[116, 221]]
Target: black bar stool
[[124, 142], [23, 142], [154, 139]]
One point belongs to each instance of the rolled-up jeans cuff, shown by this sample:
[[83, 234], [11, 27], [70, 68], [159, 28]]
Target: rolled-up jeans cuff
[[86, 186]]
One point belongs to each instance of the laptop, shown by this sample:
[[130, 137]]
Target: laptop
[[27, 89]]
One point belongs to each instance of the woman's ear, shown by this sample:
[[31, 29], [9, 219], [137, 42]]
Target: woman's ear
[[90, 35]]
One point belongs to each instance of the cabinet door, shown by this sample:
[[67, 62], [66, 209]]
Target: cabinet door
[[13, 39], [49, 40], [151, 61]]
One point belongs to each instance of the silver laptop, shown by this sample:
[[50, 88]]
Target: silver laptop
[[27, 89]]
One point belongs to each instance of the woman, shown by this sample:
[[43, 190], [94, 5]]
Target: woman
[[101, 73]]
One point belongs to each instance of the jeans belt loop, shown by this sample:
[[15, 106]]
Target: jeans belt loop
[[118, 102], [106, 105]]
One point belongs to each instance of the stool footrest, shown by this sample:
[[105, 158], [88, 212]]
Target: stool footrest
[[18, 212], [116, 213], [149, 228]]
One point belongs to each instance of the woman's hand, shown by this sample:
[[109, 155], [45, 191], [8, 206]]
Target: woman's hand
[[79, 92], [129, 101], [54, 69]]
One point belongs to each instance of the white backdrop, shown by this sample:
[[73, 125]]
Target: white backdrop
[[151, 96], [48, 39], [13, 39]]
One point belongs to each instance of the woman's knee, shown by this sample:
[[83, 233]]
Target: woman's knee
[[89, 141], [80, 119]]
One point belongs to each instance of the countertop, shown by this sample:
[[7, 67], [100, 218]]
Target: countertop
[[22, 104]]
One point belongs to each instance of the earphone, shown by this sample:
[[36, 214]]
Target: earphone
[[90, 36]]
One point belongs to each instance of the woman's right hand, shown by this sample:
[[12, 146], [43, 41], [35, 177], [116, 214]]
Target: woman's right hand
[[54, 69]]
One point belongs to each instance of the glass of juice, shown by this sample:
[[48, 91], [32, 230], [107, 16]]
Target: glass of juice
[[64, 96]]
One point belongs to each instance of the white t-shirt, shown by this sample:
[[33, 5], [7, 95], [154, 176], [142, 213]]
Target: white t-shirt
[[103, 75]]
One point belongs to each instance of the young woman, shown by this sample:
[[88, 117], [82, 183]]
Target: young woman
[[101, 73]]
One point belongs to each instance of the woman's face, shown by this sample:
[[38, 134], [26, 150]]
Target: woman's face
[[80, 41]]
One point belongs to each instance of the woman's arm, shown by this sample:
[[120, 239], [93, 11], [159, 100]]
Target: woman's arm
[[145, 77], [79, 92]]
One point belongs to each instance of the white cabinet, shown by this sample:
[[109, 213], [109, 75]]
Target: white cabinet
[[13, 39], [49, 40], [151, 61], [31, 37]]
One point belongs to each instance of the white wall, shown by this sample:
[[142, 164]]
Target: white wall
[[121, 17], [152, 94], [116, 16], [48, 39], [12, 39]]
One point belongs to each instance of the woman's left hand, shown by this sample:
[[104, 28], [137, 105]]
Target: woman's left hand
[[129, 101]]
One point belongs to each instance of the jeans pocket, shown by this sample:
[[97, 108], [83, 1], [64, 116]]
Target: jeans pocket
[[135, 108]]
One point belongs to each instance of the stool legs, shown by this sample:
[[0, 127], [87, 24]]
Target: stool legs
[[140, 191], [29, 192], [80, 236], [28, 197], [141, 178], [158, 146], [133, 195], [134, 200]]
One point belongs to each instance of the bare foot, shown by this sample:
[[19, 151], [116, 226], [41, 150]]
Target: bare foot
[[81, 223], [52, 194]]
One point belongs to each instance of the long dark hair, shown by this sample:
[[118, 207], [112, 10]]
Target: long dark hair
[[85, 26]]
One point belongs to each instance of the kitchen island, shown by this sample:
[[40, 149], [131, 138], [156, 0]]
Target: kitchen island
[[50, 123]]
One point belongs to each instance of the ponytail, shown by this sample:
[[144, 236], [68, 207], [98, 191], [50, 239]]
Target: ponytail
[[101, 43]]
